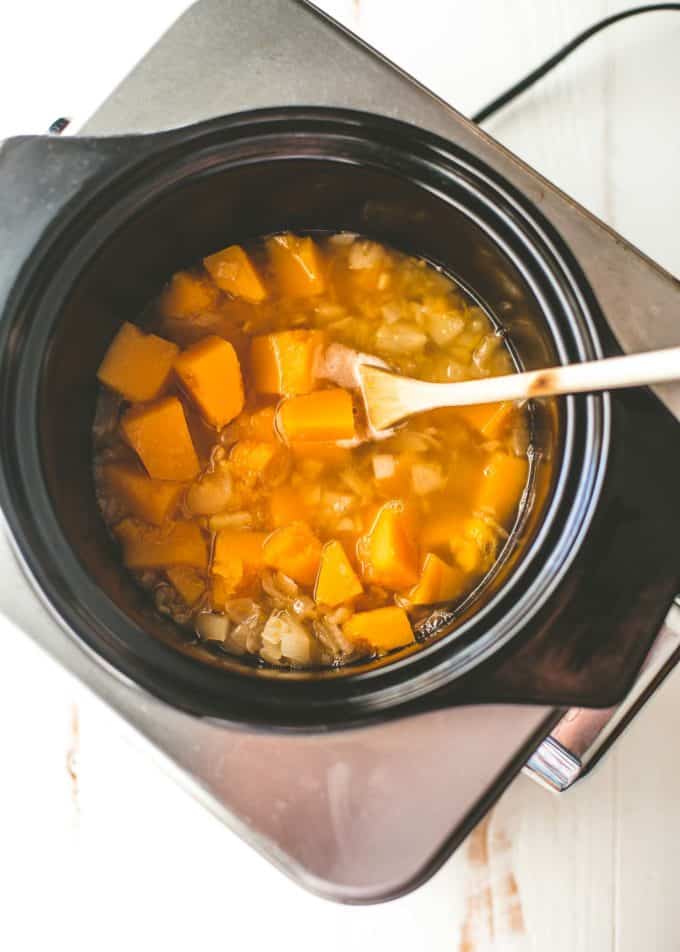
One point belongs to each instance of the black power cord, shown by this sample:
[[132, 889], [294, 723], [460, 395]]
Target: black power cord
[[533, 77]]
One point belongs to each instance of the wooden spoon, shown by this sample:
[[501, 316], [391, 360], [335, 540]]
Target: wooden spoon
[[390, 398]]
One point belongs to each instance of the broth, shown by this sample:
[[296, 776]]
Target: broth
[[238, 479]]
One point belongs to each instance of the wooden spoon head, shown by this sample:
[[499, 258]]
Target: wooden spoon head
[[383, 396]]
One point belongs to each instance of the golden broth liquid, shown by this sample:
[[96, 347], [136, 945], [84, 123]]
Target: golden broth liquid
[[287, 537]]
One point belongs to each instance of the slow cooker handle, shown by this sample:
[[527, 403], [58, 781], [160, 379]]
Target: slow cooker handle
[[39, 178]]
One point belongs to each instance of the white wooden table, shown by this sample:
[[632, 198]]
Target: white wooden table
[[97, 848]]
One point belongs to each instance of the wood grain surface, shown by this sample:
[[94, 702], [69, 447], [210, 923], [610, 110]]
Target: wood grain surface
[[97, 848]]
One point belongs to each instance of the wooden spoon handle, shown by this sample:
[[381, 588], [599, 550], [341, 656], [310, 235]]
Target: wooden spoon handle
[[390, 398]]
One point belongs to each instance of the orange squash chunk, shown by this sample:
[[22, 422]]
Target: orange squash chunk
[[497, 421], [211, 374], [189, 583], [337, 581], [286, 506], [323, 416], [154, 547], [237, 557], [243, 544], [295, 551], [225, 584], [383, 628], [439, 582], [489, 418], [187, 295], [285, 363], [297, 265], [387, 553], [232, 270], [503, 480], [252, 459], [153, 500], [137, 365], [159, 434], [439, 528]]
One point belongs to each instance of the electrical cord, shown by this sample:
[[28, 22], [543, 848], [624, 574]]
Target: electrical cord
[[533, 77]]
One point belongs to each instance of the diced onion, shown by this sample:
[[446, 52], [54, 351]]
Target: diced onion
[[211, 494], [295, 645], [364, 254], [271, 653], [400, 338], [342, 238], [384, 466], [212, 627], [283, 636], [230, 520], [444, 328], [426, 478], [485, 351]]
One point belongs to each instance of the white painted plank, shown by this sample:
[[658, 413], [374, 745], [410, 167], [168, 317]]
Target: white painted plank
[[648, 844]]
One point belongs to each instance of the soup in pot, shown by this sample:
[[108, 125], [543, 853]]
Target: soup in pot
[[241, 483]]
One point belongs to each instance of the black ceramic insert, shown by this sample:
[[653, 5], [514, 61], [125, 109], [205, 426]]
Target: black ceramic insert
[[94, 227]]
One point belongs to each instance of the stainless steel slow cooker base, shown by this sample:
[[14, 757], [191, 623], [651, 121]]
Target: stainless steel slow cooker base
[[367, 814]]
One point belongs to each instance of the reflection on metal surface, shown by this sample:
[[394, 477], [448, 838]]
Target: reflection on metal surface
[[552, 766], [583, 736]]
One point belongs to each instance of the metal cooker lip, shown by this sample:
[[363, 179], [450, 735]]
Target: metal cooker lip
[[386, 691]]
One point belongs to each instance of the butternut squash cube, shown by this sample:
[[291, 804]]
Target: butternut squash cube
[[503, 480], [323, 416], [252, 460], [439, 528], [498, 420], [297, 265], [137, 365], [224, 585], [285, 363], [286, 506], [157, 547], [189, 583], [153, 500], [211, 374], [439, 582], [238, 557], [387, 552], [187, 295], [243, 544], [232, 270], [295, 551], [383, 628], [489, 418], [337, 581], [159, 435]]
